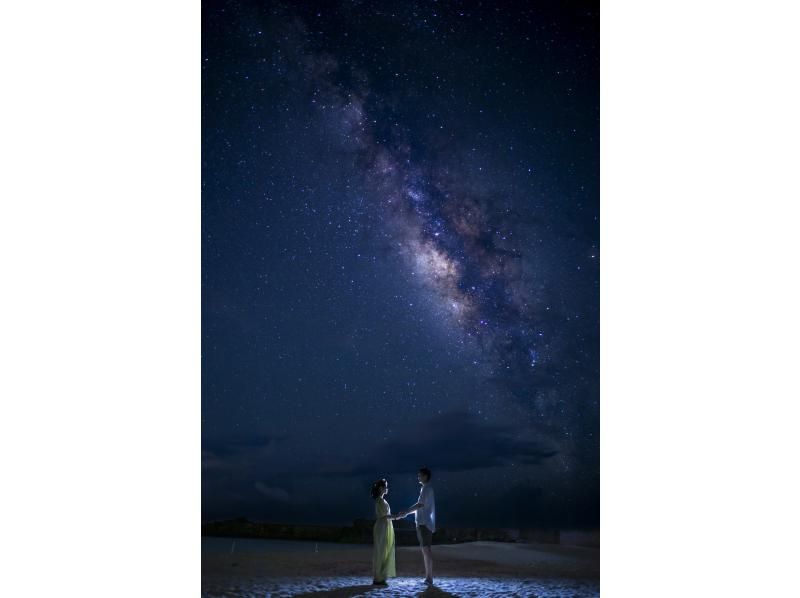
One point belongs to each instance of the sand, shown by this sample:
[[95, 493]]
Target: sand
[[469, 569]]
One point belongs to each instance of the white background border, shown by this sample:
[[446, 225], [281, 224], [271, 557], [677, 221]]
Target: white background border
[[100, 331], [699, 298]]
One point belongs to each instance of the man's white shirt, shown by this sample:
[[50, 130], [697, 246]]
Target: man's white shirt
[[427, 514]]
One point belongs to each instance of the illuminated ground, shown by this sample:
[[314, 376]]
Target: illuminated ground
[[473, 569], [341, 587]]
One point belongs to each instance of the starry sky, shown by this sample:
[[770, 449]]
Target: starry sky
[[400, 259]]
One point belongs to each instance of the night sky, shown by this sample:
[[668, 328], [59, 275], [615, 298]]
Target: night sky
[[400, 259]]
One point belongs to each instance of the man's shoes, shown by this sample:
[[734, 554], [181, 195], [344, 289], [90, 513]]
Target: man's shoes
[[375, 582], [429, 581]]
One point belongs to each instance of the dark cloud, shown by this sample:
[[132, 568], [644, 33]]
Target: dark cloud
[[236, 445], [272, 492], [453, 442], [236, 457]]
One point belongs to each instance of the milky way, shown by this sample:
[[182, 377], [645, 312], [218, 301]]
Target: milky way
[[469, 251]]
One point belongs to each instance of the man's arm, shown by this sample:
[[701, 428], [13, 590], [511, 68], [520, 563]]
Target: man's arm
[[410, 510], [424, 495]]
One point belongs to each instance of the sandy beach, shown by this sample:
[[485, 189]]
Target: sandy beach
[[469, 569]]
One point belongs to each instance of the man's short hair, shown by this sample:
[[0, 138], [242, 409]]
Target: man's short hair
[[426, 472]]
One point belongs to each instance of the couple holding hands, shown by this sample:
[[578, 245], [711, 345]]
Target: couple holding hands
[[383, 533]]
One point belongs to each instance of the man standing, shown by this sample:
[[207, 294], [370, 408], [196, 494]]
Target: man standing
[[425, 518]]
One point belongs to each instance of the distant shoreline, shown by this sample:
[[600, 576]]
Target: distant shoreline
[[360, 532]]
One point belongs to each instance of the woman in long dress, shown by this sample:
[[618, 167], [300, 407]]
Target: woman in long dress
[[382, 536]]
